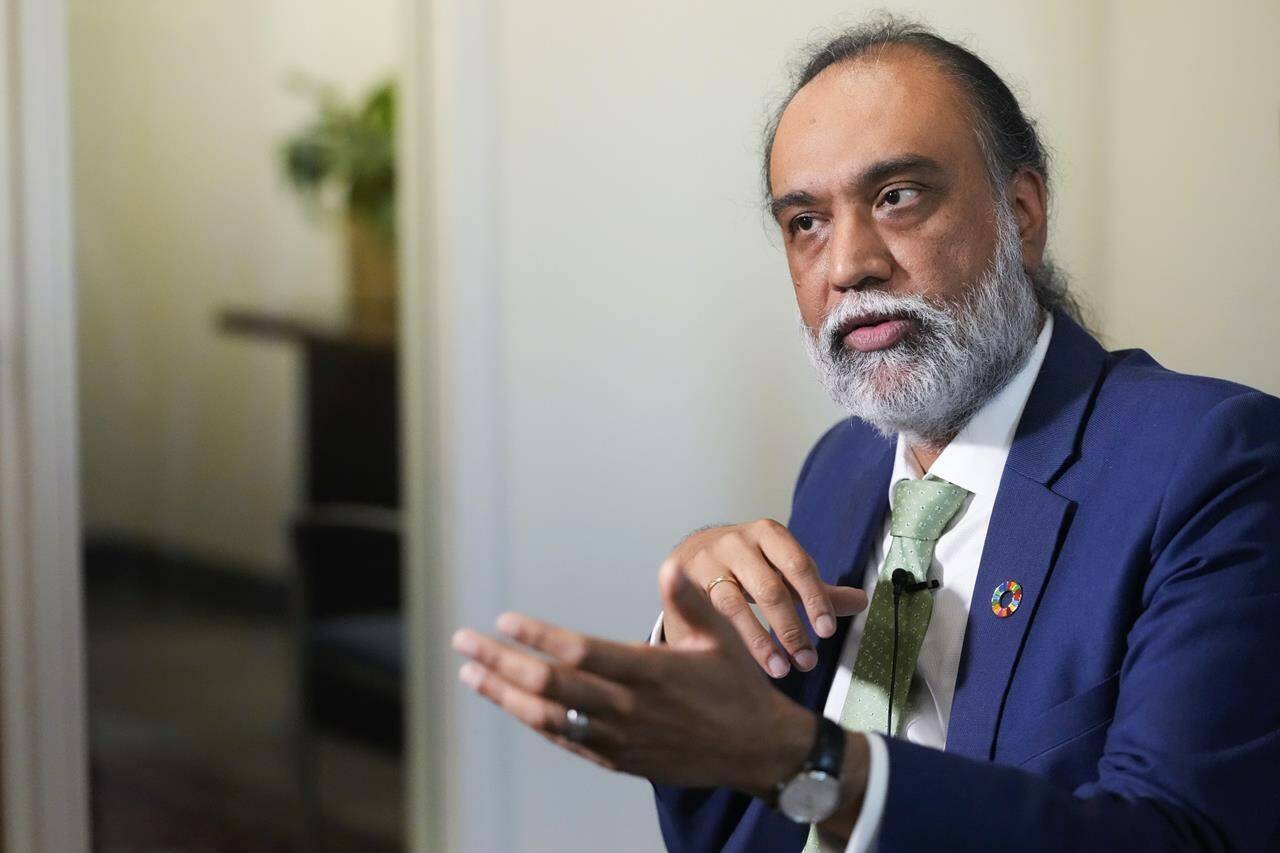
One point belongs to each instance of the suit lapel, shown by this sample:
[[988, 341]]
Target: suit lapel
[[1021, 544], [862, 501], [1028, 522]]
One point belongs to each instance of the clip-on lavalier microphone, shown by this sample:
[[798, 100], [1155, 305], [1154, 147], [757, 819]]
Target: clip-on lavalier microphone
[[903, 581]]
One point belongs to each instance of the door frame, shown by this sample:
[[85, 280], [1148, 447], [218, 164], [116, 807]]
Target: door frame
[[459, 792], [43, 744]]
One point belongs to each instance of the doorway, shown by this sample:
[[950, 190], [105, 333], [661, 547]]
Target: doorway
[[233, 193]]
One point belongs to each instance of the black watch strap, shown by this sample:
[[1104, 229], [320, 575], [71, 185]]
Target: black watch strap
[[827, 754]]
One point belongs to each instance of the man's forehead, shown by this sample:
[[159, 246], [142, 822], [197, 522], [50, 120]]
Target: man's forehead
[[866, 111]]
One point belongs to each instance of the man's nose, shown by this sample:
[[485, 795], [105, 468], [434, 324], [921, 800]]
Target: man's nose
[[859, 256]]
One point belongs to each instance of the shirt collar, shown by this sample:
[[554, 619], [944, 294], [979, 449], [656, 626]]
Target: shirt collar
[[974, 460]]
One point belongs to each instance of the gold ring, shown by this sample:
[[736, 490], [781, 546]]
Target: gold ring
[[722, 579]]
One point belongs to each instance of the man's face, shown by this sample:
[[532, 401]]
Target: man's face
[[850, 216], [893, 238]]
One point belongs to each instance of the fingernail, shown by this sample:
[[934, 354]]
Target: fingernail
[[471, 674], [825, 626], [777, 666], [509, 624], [464, 643], [806, 659]]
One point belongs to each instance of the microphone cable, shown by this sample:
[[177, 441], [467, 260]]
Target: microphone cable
[[903, 581]]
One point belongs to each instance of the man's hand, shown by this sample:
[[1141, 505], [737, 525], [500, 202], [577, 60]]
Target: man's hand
[[766, 566], [698, 715]]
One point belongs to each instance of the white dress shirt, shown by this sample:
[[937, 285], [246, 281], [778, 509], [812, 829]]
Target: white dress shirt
[[974, 460]]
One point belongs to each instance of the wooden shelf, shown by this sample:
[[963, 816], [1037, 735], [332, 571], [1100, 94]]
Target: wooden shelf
[[285, 327]]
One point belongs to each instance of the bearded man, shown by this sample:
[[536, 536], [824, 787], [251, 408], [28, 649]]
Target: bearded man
[[1072, 556]]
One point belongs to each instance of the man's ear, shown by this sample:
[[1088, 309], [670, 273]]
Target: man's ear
[[1029, 198]]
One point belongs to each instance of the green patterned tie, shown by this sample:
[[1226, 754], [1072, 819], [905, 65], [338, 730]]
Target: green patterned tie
[[921, 511]]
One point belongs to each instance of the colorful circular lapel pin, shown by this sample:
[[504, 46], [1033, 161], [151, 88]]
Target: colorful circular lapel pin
[[1013, 589]]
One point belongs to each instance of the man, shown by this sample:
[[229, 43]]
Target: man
[[1093, 666]]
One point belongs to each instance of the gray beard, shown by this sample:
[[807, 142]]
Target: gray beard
[[961, 353]]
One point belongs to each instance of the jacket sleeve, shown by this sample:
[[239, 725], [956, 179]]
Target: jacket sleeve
[[1191, 755]]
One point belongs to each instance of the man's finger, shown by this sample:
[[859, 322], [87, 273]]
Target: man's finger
[[614, 661], [847, 600], [536, 712], [574, 688], [728, 599], [543, 715], [801, 572], [772, 594], [679, 594]]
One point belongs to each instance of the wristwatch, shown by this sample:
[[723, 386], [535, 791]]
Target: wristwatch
[[811, 796]]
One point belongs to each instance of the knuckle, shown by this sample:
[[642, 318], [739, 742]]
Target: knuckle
[[767, 526], [760, 643], [702, 566], [792, 565], [815, 600], [732, 606], [772, 594], [575, 651], [793, 636]]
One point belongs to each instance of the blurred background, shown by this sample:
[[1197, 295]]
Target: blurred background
[[234, 195], [315, 440]]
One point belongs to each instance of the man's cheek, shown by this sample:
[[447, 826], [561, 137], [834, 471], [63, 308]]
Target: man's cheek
[[812, 311]]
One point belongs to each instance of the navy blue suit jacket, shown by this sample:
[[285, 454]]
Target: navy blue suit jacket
[[1133, 700]]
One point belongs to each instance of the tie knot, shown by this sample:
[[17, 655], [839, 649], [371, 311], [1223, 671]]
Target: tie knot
[[922, 508]]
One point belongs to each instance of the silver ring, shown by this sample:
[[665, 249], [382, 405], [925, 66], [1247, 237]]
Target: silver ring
[[576, 724]]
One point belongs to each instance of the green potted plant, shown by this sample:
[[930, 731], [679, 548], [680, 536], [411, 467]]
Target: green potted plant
[[350, 148]]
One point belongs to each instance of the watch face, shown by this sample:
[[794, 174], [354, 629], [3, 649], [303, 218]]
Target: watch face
[[810, 797]]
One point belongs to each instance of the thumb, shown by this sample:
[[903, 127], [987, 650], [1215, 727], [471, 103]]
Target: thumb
[[847, 600], [681, 597]]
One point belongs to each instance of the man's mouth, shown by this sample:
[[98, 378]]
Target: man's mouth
[[873, 332]]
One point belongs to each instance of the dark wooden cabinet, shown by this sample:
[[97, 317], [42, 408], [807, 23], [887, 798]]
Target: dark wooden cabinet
[[346, 532], [350, 417]]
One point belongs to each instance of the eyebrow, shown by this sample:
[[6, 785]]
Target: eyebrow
[[874, 174]]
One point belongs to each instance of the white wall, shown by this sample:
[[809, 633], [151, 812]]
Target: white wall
[[1192, 172], [189, 436]]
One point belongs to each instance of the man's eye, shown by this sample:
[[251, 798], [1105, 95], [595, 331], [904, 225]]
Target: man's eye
[[896, 196], [803, 222]]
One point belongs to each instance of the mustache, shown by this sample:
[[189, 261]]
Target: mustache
[[859, 308]]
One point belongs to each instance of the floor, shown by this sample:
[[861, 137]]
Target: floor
[[191, 733]]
